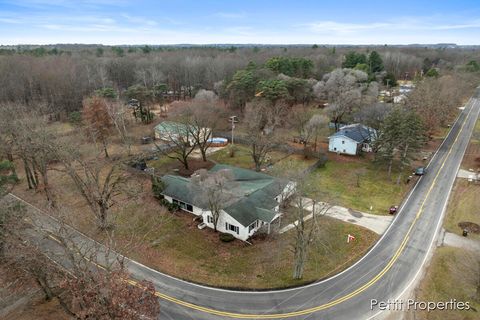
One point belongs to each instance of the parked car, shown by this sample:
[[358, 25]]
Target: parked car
[[420, 171], [393, 209]]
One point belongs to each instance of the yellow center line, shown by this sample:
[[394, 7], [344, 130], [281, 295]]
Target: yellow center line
[[336, 301]]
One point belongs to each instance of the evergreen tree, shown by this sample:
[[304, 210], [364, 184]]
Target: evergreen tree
[[375, 62], [400, 138], [352, 59]]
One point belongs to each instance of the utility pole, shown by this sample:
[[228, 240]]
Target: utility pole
[[232, 119]]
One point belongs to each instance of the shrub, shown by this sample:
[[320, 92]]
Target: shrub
[[157, 188], [172, 207], [231, 150], [75, 117], [226, 237]]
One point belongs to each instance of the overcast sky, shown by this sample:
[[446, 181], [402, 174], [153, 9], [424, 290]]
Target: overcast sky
[[239, 21]]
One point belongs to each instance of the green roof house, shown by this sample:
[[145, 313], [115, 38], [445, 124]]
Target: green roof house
[[253, 204]]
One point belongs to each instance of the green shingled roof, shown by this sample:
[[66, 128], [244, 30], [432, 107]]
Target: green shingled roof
[[253, 194], [171, 128]]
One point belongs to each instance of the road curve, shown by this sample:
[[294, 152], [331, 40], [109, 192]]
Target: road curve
[[383, 273]]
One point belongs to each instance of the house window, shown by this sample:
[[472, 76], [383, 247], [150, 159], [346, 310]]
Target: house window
[[209, 219], [343, 141], [335, 149], [231, 227], [183, 205], [252, 226], [344, 151]]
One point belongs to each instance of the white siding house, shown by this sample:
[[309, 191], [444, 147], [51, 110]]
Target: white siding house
[[257, 207], [352, 139]]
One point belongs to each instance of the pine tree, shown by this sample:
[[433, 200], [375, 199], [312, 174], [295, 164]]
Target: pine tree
[[375, 62], [401, 135]]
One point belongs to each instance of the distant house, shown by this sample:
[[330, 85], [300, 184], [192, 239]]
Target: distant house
[[169, 130], [352, 139], [254, 202]]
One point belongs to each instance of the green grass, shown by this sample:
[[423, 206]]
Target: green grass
[[164, 164], [293, 161], [451, 275], [464, 205], [242, 158], [336, 183]]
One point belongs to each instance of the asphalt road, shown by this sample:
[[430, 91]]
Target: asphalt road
[[385, 272]]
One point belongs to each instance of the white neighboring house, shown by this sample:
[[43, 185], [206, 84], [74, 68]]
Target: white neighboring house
[[255, 201], [169, 130], [352, 139]]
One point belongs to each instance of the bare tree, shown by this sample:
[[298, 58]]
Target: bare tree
[[436, 101], [313, 129], [260, 146], [180, 142], [261, 139], [89, 279], [306, 213], [373, 115], [344, 89], [30, 138], [202, 121], [206, 97], [118, 115], [212, 188], [98, 182]]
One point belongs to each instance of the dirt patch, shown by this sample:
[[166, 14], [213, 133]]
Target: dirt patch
[[469, 226]]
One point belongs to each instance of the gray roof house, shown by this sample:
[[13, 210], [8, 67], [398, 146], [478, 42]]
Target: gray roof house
[[352, 139], [254, 202]]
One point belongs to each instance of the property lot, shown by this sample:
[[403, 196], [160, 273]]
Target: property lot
[[452, 274], [172, 243], [358, 184]]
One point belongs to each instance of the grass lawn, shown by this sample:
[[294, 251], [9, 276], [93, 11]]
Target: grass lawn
[[173, 244], [164, 164], [336, 183], [197, 255], [464, 206], [451, 275], [242, 158], [473, 150]]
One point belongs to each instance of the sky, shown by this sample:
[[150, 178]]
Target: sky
[[156, 22]]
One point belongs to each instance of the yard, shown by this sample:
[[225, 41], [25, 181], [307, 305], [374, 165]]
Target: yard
[[337, 181], [464, 204], [180, 249], [242, 157], [463, 207], [451, 275], [358, 184], [471, 160], [173, 244]]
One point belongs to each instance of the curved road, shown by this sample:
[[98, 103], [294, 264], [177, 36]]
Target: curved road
[[387, 270]]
